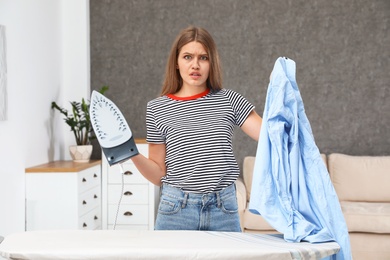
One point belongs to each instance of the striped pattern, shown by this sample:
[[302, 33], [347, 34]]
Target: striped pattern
[[198, 136], [300, 250], [161, 245]]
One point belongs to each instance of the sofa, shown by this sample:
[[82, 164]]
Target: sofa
[[362, 184]]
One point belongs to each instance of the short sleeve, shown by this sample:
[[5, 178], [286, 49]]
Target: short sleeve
[[240, 105], [153, 134]]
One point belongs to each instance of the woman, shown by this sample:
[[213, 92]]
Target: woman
[[189, 131]]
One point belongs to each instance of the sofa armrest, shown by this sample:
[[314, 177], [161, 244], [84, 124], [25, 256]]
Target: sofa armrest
[[241, 194], [241, 199]]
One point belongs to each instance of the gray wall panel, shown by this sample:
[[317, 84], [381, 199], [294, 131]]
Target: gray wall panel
[[341, 49]]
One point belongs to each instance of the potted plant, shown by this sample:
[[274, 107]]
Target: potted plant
[[80, 124]]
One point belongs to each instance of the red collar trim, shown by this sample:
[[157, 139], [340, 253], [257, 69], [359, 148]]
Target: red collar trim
[[204, 93]]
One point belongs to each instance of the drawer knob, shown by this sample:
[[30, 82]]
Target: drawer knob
[[128, 173], [84, 180], [94, 175], [84, 202], [95, 218], [128, 213], [84, 225], [128, 193], [95, 196]]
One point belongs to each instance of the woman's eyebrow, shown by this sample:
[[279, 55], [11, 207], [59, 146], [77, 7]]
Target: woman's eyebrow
[[201, 54]]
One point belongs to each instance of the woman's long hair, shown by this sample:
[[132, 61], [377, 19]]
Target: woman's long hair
[[173, 81]]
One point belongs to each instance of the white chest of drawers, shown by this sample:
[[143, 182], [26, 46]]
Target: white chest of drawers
[[64, 195], [129, 200]]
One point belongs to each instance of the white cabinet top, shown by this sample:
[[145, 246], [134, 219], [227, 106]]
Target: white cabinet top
[[62, 166]]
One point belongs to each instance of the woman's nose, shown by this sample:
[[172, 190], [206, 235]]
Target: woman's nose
[[195, 64]]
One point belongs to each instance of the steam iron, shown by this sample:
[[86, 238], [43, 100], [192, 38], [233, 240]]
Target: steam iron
[[111, 129]]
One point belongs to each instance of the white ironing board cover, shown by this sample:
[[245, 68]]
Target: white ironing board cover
[[118, 244]]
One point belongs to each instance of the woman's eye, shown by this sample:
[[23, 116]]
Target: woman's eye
[[187, 57], [204, 58]]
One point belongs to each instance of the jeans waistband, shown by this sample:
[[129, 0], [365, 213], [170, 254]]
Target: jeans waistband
[[178, 192], [201, 198]]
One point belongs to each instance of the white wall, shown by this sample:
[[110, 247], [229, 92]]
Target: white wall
[[47, 60]]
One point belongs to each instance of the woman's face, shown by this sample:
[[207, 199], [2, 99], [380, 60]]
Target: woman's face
[[194, 66]]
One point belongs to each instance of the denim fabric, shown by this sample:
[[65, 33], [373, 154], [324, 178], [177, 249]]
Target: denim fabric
[[180, 210], [291, 187]]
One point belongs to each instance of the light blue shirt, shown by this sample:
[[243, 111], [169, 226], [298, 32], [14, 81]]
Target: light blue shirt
[[291, 187]]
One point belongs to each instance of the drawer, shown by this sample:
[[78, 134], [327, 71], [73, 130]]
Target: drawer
[[89, 200], [128, 214], [132, 193], [92, 220], [131, 174], [89, 178]]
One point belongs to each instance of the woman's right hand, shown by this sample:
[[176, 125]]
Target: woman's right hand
[[152, 168]]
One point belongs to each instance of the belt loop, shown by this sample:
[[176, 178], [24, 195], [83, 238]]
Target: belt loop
[[218, 200], [183, 205]]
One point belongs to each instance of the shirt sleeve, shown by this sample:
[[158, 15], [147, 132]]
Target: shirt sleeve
[[241, 107], [153, 134]]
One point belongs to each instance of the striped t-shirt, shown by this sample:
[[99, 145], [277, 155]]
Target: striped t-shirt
[[198, 133]]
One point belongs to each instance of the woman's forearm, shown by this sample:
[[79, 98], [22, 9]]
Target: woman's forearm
[[151, 170]]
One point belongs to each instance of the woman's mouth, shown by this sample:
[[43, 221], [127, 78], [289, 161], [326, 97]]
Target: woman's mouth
[[195, 75]]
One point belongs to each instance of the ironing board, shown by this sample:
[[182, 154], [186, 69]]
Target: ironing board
[[120, 244]]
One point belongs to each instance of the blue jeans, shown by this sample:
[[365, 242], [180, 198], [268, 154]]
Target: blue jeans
[[180, 210]]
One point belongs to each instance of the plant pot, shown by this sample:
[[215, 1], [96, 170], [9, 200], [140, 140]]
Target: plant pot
[[80, 153]]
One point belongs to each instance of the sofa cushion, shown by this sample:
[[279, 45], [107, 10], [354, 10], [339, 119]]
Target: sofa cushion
[[366, 216], [255, 222], [360, 178], [370, 246]]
